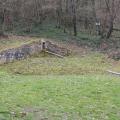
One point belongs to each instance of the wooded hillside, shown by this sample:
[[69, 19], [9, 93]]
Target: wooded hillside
[[92, 16]]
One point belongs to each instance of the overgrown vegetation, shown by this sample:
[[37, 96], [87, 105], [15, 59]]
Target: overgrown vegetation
[[52, 65]]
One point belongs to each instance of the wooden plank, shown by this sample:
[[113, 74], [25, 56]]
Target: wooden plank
[[112, 72], [54, 54]]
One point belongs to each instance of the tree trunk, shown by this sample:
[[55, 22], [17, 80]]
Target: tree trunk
[[74, 18], [1, 31], [75, 25], [110, 30], [86, 23], [59, 14], [1, 25]]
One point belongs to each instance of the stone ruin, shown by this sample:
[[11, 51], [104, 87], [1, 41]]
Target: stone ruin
[[33, 48]]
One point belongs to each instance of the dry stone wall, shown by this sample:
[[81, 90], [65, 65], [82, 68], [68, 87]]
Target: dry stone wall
[[19, 53], [24, 51]]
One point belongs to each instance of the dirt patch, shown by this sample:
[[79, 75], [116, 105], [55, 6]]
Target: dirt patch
[[111, 48], [2, 35], [37, 113], [44, 114]]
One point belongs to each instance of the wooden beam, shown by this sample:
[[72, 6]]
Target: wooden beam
[[114, 73], [54, 54]]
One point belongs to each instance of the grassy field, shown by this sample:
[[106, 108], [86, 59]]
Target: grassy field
[[50, 88], [67, 97], [45, 87]]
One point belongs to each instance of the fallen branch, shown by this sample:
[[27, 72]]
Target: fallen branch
[[55, 54], [112, 72]]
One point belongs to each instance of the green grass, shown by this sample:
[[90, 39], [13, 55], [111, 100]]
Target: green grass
[[50, 88], [73, 88], [15, 41], [92, 63], [58, 97]]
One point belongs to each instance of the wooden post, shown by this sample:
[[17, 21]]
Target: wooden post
[[43, 45]]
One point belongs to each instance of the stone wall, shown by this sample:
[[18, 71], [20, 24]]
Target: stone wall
[[24, 51], [19, 53]]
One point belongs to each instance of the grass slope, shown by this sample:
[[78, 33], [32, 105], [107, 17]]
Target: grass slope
[[15, 41], [93, 63], [73, 88]]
